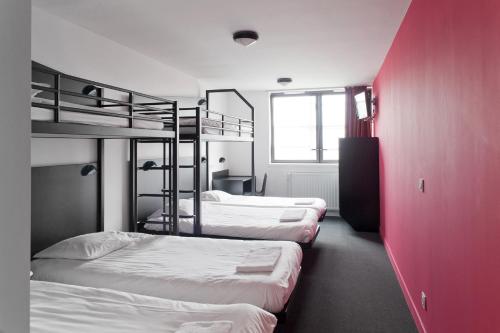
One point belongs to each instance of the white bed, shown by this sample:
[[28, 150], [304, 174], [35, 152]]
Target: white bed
[[42, 114], [60, 308], [246, 222], [319, 205], [183, 268]]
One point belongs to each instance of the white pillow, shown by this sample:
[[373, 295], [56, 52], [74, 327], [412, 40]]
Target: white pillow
[[87, 247], [215, 196], [186, 207]]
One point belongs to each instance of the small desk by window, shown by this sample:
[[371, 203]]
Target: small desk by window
[[237, 185]]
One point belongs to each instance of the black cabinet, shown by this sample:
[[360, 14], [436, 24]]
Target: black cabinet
[[359, 195]]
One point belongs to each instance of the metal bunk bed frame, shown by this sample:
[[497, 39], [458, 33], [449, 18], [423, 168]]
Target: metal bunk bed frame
[[244, 133], [156, 109]]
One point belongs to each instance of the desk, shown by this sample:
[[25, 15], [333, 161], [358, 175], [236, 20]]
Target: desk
[[238, 185]]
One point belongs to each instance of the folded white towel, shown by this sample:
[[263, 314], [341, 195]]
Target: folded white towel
[[221, 326], [292, 215], [260, 260], [304, 202]]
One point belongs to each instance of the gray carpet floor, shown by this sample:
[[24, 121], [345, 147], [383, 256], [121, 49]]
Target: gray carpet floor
[[347, 285]]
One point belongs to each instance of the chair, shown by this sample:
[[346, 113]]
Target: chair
[[262, 191]]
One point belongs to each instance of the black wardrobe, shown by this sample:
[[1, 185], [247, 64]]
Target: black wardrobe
[[359, 197]]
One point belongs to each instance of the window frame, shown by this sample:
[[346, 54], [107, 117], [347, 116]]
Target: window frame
[[319, 125]]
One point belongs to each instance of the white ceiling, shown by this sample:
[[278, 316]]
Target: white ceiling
[[319, 43]]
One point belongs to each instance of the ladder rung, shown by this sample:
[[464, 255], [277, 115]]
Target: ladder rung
[[164, 190], [166, 167], [166, 222], [153, 222], [154, 195]]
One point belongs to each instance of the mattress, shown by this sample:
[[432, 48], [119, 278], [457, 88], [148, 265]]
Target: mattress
[[204, 122], [319, 205], [42, 114], [60, 308], [189, 121], [188, 269], [248, 222]]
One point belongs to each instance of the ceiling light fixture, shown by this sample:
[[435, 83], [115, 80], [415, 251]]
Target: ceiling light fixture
[[245, 37], [284, 81]]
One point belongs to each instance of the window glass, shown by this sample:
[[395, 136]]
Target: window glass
[[333, 124], [294, 119], [307, 127]]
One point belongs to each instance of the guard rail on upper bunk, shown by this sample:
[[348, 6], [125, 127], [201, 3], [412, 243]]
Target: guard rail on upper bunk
[[69, 106], [209, 125]]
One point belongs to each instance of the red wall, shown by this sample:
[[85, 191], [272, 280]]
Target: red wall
[[439, 119]]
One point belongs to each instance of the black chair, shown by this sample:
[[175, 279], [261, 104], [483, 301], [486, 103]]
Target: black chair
[[262, 191]]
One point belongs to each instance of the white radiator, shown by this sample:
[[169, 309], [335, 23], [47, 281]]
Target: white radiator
[[323, 185]]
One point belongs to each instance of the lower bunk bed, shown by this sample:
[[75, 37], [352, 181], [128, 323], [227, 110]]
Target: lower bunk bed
[[202, 270], [243, 222], [62, 308]]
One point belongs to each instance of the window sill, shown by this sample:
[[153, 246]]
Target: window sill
[[292, 164]]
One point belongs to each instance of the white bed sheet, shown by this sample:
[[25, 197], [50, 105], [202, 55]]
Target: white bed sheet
[[249, 222], [256, 201], [60, 308], [42, 114], [189, 269]]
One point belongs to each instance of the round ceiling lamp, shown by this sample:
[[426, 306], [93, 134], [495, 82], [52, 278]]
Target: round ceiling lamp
[[284, 81], [245, 37]]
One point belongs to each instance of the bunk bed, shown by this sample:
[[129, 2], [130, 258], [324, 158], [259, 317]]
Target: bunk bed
[[199, 127], [67, 203], [196, 127], [66, 106]]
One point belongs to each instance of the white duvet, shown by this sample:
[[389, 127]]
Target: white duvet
[[248, 222], [319, 205], [60, 308], [190, 269]]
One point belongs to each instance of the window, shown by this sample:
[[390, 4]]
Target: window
[[306, 127]]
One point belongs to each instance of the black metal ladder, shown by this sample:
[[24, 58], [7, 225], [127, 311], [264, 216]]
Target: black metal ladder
[[169, 192]]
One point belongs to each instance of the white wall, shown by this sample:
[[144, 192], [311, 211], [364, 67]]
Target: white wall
[[239, 154], [74, 50], [14, 165]]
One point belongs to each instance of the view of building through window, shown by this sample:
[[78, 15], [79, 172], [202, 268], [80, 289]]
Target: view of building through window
[[306, 126]]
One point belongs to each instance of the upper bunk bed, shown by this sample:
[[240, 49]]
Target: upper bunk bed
[[196, 126], [196, 123], [65, 106]]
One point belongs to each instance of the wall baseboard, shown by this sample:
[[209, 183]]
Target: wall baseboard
[[406, 292]]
